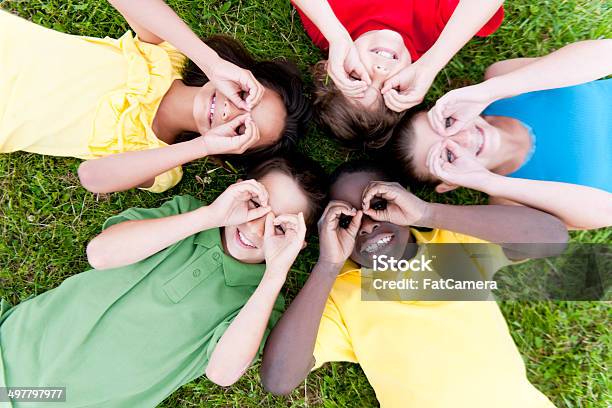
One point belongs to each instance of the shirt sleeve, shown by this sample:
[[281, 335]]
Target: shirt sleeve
[[333, 341], [166, 181], [177, 205]]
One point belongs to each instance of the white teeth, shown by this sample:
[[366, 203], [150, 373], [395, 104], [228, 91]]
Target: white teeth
[[385, 54], [378, 244], [212, 107], [245, 240]]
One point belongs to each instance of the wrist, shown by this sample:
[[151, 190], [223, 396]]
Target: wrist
[[200, 146], [492, 184], [433, 61], [427, 215], [494, 90], [337, 34], [208, 61], [275, 275], [327, 267]]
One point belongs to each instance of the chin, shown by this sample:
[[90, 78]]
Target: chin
[[236, 251]]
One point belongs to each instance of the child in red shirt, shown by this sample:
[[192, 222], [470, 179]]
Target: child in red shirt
[[383, 56]]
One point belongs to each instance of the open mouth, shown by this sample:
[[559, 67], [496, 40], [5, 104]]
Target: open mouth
[[385, 53], [481, 143], [377, 243], [243, 241], [212, 105]]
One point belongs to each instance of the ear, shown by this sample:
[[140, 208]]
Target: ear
[[443, 188], [304, 244], [239, 180]]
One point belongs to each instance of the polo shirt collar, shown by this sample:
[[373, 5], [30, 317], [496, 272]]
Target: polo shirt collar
[[236, 273]]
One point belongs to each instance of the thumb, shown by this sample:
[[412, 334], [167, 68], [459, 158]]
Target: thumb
[[390, 84], [269, 225], [455, 148], [456, 127]]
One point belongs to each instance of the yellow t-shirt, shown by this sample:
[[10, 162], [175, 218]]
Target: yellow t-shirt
[[67, 95], [427, 353]]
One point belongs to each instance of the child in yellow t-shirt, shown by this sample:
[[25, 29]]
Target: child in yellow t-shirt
[[432, 353]]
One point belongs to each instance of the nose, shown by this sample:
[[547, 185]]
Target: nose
[[368, 226], [379, 75], [256, 228], [462, 138], [230, 111]]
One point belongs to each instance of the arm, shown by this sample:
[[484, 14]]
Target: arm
[[579, 207], [573, 64], [122, 171], [408, 87], [343, 59], [133, 241], [469, 17], [239, 344], [323, 17], [155, 21], [516, 229], [288, 355], [506, 66]]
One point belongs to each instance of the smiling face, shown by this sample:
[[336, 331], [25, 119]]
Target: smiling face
[[384, 54], [244, 242], [211, 108], [374, 237], [481, 139]]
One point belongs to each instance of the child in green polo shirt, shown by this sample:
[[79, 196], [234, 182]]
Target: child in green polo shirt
[[186, 289]]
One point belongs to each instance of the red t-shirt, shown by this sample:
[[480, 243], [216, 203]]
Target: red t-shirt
[[420, 22]]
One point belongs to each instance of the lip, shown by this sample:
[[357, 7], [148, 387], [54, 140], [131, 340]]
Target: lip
[[482, 141], [387, 50], [374, 241], [238, 237]]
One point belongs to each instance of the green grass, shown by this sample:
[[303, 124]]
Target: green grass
[[47, 218]]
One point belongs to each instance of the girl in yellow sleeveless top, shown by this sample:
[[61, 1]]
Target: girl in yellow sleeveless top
[[135, 107]]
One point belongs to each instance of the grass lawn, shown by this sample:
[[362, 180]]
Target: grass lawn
[[47, 218]]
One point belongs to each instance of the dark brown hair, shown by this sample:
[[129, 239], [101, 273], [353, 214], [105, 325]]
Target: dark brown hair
[[307, 174], [356, 127], [401, 148], [281, 76]]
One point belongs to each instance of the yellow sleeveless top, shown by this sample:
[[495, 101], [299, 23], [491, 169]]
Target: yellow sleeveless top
[[67, 95]]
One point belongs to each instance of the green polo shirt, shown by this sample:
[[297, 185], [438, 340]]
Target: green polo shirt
[[130, 336]]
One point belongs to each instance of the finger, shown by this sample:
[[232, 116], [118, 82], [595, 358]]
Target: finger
[[343, 81], [435, 120], [390, 83], [256, 91], [355, 224], [391, 101], [269, 225], [250, 137], [455, 148], [374, 189], [236, 122], [301, 231], [362, 73], [257, 213], [332, 220], [456, 127], [254, 189]]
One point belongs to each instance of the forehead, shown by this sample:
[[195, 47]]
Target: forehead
[[349, 187], [371, 100], [285, 194], [424, 138], [269, 115]]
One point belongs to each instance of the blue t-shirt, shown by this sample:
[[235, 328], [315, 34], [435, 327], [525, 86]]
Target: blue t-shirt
[[571, 131]]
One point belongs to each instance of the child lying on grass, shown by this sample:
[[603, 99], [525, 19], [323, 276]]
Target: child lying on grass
[[139, 96], [434, 354], [177, 292], [542, 140], [383, 56]]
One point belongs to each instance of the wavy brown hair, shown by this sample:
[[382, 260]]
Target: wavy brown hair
[[355, 126]]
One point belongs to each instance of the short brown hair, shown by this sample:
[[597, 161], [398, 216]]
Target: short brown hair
[[307, 174], [355, 127], [401, 147]]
